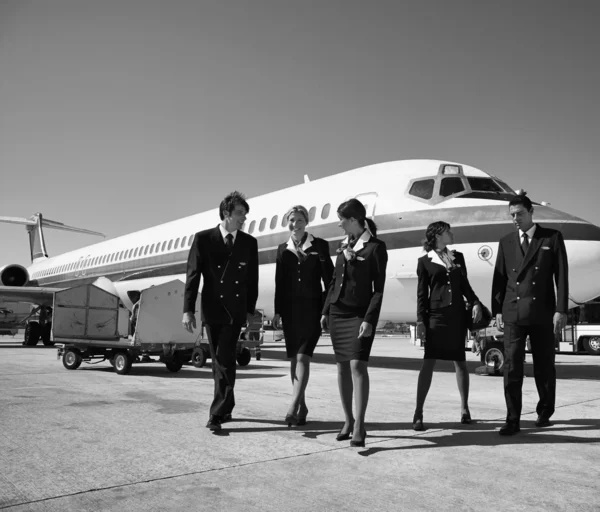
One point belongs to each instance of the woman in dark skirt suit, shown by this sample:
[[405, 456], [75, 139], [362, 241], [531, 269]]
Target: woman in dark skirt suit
[[303, 263], [351, 312], [441, 317]]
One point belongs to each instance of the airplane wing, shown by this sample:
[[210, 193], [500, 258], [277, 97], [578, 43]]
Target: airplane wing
[[34, 295]]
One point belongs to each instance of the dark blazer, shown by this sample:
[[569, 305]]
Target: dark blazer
[[438, 288], [302, 279], [230, 282], [523, 286], [362, 281]]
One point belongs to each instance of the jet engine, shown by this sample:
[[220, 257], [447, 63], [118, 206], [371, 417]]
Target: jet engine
[[14, 275]]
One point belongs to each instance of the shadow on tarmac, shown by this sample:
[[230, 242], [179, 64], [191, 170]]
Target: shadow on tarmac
[[473, 435], [564, 370], [159, 370]]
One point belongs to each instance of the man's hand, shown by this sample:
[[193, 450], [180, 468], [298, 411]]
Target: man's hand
[[189, 321], [477, 312], [324, 322], [365, 330], [421, 331], [277, 321], [559, 320], [499, 322]]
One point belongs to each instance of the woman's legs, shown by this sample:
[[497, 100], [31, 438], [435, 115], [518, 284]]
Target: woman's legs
[[424, 383], [300, 373], [346, 389], [462, 379], [360, 379]]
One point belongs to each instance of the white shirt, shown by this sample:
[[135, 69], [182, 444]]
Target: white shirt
[[224, 234], [529, 233]]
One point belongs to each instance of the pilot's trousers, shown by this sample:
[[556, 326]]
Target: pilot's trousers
[[542, 342], [222, 339]]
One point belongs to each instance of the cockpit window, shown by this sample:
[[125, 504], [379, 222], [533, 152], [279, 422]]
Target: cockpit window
[[451, 186], [422, 189], [484, 185]]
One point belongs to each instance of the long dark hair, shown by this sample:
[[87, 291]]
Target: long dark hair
[[354, 208], [434, 229]]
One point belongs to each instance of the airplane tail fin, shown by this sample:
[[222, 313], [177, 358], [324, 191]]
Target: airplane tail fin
[[34, 225]]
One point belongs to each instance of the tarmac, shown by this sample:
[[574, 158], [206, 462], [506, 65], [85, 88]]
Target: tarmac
[[92, 440]]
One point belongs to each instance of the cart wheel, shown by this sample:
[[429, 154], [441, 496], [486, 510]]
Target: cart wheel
[[592, 345], [174, 366], [244, 357], [199, 357], [122, 363], [72, 359], [33, 331]]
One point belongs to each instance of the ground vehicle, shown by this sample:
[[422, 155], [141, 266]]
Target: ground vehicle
[[251, 338]]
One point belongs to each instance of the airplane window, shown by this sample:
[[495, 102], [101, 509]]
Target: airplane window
[[484, 185], [422, 189], [261, 227], [170, 245], [151, 248], [183, 242], [325, 211], [252, 226], [146, 250], [273, 222], [284, 220], [164, 246], [311, 213], [176, 244], [451, 186], [135, 252], [190, 240]]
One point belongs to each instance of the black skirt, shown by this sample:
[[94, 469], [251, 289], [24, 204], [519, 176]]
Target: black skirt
[[302, 326], [446, 333], [343, 327]]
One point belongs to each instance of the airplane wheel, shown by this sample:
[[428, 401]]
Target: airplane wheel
[[493, 357], [46, 331], [72, 359], [122, 363], [199, 357], [33, 331], [592, 345], [244, 357], [174, 366]]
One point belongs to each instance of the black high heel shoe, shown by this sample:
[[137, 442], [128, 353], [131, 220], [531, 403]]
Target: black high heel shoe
[[465, 419], [359, 443], [418, 422], [344, 436], [302, 417], [291, 419]]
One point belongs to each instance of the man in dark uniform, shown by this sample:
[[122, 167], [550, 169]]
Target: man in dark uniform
[[530, 262], [227, 260]]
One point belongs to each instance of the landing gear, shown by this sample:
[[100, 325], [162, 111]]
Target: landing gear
[[33, 331], [46, 331]]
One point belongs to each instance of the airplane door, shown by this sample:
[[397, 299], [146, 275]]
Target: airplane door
[[369, 200]]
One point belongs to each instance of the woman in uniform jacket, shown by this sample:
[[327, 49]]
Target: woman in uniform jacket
[[352, 310], [441, 314], [303, 271]]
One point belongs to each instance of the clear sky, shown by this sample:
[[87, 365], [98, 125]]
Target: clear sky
[[117, 115]]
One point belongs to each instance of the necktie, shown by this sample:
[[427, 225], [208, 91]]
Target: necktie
[[525, 244], [229, 242]]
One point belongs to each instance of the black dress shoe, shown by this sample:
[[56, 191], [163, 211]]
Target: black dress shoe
[[359, 443], [214, 423], [465, 419], [542, 421], [344, 436], [227, 418], [418, 423], [509, 429]]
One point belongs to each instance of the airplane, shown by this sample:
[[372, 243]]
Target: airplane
[[402, 197]]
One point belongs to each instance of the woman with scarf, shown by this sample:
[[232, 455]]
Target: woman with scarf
[[303, 271], [441, 319], [351, 312]]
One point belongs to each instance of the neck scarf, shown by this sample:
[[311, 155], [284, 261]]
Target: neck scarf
[[298, 245]]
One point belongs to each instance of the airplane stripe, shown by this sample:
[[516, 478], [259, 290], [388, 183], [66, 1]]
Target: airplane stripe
[[175, 263]]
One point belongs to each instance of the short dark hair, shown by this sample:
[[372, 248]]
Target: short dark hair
[[232, 200], [521, 200], [434, 229], [355, 209]]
